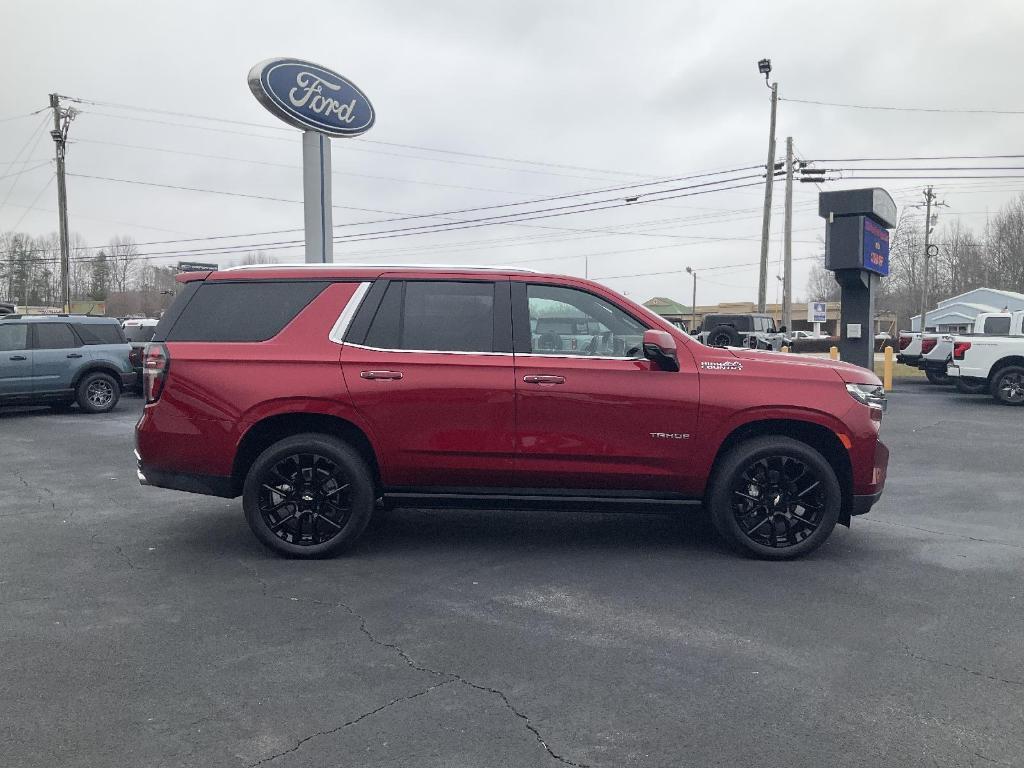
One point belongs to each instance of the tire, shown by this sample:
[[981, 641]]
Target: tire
[[937, 377], [723, 336], [968, 386], [1008, 385], [97, 393], [289, 496], [776, 530]]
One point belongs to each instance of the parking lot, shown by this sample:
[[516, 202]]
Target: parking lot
[[143, 627]]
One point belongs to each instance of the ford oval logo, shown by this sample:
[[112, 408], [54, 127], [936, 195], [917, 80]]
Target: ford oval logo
[[311, 97]]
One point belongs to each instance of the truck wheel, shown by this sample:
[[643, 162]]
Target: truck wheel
[[724, 336], [1008, 385], [308, 495], [970, 386], [937, 377], [774, 497], [97, 393]]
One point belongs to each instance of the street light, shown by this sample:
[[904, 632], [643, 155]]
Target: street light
[[764, 66], [693, 303]]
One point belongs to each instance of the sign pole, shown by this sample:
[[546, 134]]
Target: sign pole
[[316, 197]]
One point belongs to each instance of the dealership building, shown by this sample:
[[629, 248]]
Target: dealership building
[[956, 314]]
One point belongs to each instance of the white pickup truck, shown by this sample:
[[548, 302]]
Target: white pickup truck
[[995, 362], [937, 350], [910, 347]]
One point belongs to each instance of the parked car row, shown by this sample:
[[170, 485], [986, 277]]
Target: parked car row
[[989, 360]]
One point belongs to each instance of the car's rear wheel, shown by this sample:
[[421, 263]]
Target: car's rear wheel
[[774, 497], [97, 393], [309, 495], [937, 377], [970, 386], [1008, 385]]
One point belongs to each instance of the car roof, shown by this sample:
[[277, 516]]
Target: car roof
[[361, 271]]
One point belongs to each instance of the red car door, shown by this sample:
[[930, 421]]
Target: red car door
[[433, 376], [592, 414]]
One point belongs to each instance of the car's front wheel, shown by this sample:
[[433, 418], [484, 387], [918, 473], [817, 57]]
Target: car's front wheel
[[774, 497], [309, 495], [97, 393]]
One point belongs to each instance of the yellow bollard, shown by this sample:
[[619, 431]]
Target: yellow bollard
[[887, 370], [833, 352], [785, 349]]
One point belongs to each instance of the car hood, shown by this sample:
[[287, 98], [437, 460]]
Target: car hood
[[848, 372]]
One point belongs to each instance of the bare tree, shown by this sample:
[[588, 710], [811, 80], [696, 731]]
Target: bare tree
[[257, 257], [822, 285], [122, 255]]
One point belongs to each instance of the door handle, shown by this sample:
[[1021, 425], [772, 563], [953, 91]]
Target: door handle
[[544, 379], [393, 375], [17, 357], [74, 354]]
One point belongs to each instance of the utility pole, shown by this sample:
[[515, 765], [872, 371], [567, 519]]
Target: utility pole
[[61, 122], [693, 303], [787, 275], [928, 197], [764, 66]]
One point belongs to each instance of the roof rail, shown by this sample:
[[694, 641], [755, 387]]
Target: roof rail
[[451, 267]]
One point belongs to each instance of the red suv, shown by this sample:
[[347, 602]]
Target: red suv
[[317, 392]]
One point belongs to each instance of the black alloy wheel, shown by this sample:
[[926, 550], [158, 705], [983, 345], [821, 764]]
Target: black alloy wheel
[[775, 497], [1008, 386], [308, 496]]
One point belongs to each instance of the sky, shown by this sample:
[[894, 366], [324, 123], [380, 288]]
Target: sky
[[482, 103]]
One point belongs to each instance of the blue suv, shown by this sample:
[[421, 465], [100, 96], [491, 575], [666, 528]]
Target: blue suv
[[63, 359]]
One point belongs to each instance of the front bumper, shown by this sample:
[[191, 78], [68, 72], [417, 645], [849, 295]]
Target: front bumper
[[862, 504]]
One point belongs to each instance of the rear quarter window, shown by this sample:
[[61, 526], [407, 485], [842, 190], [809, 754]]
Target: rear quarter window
[[997, 325], [100, 333], [243, 311]]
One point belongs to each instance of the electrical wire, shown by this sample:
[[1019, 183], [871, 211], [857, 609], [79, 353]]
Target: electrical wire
[[546, 164], [947, 110]]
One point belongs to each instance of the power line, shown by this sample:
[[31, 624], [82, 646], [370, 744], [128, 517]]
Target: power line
[[9, 118], [913, 158], [26, 170], [947, 110], [211, 118]]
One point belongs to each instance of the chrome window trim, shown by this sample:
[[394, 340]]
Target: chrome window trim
[[337, 334], [489, 354]]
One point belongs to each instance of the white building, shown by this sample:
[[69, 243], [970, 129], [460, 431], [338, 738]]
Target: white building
[[957, 313]]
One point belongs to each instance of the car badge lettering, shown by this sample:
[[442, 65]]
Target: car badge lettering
[[723, 365], [670, 435]]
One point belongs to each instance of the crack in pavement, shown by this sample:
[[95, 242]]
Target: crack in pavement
[[394, 647], [961, 668], [943, 533], [119, 552], [349, 723]]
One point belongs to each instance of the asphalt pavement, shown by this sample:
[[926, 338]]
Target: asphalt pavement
[[144, 627]]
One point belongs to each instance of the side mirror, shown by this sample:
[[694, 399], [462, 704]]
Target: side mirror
[[660, 348]]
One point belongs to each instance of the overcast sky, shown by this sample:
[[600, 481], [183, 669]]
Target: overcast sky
[[591, 94]]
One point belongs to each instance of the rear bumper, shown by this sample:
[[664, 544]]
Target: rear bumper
[[911, 360], [130, 380], [862, 504], [938, 366], [208, 485]]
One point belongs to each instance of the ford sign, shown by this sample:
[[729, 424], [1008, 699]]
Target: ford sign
[[311, 98]]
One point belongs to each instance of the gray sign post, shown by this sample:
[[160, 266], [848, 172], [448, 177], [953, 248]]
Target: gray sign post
[[322, 104], [857, 251]]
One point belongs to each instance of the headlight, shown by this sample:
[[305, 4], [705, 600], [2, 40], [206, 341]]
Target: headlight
[[872, 395]]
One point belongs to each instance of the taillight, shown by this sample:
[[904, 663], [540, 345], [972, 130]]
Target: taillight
[[155, 362], [959, 348], [904, 342], [927, 345]]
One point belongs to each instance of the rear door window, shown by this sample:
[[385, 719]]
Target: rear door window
[[997, 325], [243, 311], [55, 336], [436, 316]]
